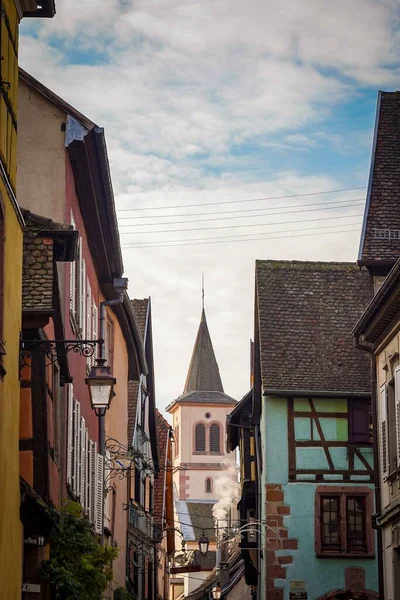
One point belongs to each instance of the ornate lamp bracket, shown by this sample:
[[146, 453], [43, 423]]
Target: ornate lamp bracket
[[54, 348]]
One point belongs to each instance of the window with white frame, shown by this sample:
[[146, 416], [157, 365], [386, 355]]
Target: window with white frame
[[85, 466], [389, 426]]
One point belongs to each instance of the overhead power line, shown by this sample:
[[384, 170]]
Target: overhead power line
[[363, 187], [226, 237], [247, 240], [237, 226], [241, 210], [288, 212]]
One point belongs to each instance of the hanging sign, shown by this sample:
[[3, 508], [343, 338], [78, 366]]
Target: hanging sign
[[34, 588], [297, 590], [34, 540]]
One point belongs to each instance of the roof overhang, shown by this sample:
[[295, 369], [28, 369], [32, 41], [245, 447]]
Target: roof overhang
[[315, 393], [36, 9], [381, 315]]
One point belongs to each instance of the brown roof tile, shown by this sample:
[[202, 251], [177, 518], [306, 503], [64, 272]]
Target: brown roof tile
[[307, 311], [133, 391], [163, 429], [140, 308], [382, 210], [201, 517]]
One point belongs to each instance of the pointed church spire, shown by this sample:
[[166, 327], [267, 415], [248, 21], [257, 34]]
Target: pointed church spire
[[203, 374]]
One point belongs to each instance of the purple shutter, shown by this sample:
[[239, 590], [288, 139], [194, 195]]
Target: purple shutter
[[359, 421]]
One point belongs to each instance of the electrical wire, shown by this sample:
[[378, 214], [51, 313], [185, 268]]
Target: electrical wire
[[242, 210], [289, 212], [238, 226], [363, 187], [154, 245], [226, 237]]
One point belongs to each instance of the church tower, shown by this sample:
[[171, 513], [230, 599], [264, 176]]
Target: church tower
[[199, 422]]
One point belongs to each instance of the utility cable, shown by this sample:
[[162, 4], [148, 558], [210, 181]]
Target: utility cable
[[289, 212], [235, 241], [226, 237], [238, 226], [363, 187], [243, 210]]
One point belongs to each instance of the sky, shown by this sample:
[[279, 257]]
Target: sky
[[216, 106]]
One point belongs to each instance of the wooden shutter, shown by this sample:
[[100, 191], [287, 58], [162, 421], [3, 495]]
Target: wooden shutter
[[76, 466], [215, 438], [89, 319], [95, 330], [70, 434], [83, 462], [92, 484], [99, 494], [83, 300], [397, 401], [87, 463], [200, 438], [384, 432], [359, 421], [72, 280]]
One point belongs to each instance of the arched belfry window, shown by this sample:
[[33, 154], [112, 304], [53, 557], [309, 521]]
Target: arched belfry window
[[208, 485], [200, 438], [215, 438]]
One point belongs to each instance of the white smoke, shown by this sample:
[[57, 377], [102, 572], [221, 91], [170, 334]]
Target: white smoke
[[227, 489]]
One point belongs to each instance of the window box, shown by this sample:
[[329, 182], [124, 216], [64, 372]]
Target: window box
[[343, 522]]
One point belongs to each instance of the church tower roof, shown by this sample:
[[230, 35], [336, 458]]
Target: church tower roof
[[203, 374]]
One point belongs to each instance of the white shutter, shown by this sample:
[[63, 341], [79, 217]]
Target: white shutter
[[70, 433], [77, 443], [95, 331], [79, 267], [397, 400], [72, 280], [87, 482], [83, 300], [107, 514], [88, 317], [99, 493], [83, 462], [92, 485], [384, 432]]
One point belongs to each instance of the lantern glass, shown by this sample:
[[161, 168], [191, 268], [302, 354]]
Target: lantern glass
[[204, 543], [216, 592], [101, 386]]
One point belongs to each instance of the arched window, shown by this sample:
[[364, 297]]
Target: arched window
[[215, 438], [200, 438], [208, 485]]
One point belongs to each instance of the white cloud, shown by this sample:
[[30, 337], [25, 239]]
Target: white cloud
[[197, 97]]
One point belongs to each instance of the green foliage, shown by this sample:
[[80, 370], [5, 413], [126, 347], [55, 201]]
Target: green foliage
[[122, 594], [79, 568]]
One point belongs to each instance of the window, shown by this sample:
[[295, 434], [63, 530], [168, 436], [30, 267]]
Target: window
[[200, 438], [208, 485], [215, 439], [360, 421], [343, 521]]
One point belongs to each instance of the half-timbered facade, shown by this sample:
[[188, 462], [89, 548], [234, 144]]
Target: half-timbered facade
[[311, 419]]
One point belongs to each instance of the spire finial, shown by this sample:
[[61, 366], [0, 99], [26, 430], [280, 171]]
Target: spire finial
[[202, 290]]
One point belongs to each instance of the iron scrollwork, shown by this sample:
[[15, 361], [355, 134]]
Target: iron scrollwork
[[54, 348]]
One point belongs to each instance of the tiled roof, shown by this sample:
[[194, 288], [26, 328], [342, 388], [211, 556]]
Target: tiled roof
[[201, 517], [203, 374], [306, 313], [203, 398], [382, 211], [163, 429], [140, 308]]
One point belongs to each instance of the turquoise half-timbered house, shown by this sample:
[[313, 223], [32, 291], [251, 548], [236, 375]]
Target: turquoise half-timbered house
[[311, 417]]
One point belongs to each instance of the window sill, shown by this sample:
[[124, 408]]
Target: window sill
[[345, 555]]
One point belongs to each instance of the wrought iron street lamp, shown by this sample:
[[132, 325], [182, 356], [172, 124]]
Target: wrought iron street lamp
[[101, 387], [204, 543]]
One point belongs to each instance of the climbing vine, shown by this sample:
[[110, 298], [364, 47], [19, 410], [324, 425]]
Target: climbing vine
[[78, 568]]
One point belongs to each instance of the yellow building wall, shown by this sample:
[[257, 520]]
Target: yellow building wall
[[10, 526]]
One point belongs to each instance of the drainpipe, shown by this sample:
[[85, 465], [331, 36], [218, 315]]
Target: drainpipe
[[377, 478], [120, 285]]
